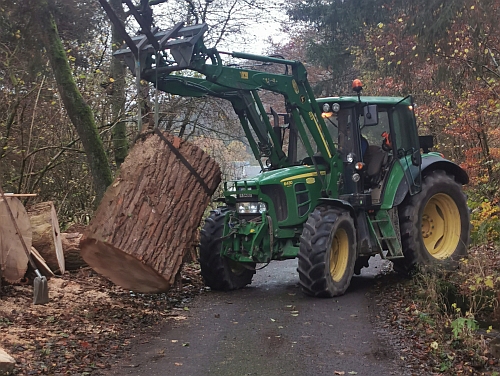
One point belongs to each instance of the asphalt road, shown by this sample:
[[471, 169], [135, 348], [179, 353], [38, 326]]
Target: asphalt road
[[270, 328]]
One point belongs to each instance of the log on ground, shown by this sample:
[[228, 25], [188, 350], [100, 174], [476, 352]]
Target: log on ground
[[71, 249], [13, 258], [46, 235], [148, 217]]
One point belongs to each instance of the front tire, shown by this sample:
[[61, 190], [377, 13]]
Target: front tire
[[435, 224], [327, 252], [219, 272]]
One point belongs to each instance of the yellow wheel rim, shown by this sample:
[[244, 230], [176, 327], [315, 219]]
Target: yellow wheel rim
[[441, 226], [339, 255]]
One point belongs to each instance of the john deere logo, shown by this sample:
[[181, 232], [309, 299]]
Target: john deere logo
[[295, 87], [244, 75]]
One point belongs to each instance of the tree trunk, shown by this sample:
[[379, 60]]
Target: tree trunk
[[13, 258], [118, 72], [46, 235], [78, 110], [148, 217]]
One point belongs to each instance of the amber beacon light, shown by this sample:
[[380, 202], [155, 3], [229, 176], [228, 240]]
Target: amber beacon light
[[357, 85]]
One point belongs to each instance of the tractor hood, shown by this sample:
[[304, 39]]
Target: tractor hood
[[282, 176]]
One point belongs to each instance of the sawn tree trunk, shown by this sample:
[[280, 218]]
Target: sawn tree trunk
[[13, 258], [148, 217], [46, 235]]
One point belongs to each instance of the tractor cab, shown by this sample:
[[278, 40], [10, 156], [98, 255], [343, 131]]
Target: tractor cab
[[373, 135]]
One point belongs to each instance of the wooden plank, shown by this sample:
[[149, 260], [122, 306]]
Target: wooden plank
[[21, 194], [41, 264]]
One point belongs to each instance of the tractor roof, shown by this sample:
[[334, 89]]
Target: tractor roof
[[365, 99]]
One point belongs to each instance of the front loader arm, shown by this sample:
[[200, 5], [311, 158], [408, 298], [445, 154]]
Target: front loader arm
[[154, 55]]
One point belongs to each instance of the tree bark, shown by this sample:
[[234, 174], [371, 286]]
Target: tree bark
[[13, 258], [46, 235], [118, 72], [71, 250], [148, 217], [78, 111]]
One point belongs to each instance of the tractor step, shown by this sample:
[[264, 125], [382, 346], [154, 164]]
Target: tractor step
[[382, 229]]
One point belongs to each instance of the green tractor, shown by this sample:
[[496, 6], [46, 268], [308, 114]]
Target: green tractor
[[383, 197], [343, 178]]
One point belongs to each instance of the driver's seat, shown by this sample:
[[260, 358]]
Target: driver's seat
[[375, 158]]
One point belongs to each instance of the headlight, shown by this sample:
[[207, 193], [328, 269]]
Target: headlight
[[350, 157], [251, 207], [326, 107]]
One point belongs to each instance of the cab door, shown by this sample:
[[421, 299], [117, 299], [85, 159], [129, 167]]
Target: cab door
[[406, 144]]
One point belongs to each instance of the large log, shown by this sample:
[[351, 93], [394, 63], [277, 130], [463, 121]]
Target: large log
[[46, 235], [13, 258], [148, 217]]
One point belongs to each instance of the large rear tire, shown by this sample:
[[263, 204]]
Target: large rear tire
[[435, 224], [219, 272], [327, 252]]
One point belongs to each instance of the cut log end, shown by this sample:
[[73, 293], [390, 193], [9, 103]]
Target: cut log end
[[46, 235], [127, 272], [13, 257]]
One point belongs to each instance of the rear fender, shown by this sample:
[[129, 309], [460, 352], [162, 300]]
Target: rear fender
[[429, 164]]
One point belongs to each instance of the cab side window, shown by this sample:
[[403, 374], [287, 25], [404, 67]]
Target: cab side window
[[373, 134], [405, 136]]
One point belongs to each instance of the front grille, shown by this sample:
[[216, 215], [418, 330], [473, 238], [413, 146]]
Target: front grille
[[303, 199]]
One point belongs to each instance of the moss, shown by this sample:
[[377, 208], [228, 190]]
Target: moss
[[78, 111]]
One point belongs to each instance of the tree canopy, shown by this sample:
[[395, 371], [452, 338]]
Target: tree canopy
[[444, 53]]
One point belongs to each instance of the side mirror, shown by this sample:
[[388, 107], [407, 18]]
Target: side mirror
[[426, 143], [370, 114]]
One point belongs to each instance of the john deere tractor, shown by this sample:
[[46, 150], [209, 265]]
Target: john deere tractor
[[343, 178]]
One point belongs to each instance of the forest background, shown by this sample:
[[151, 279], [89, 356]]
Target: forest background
[[68, 110]]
